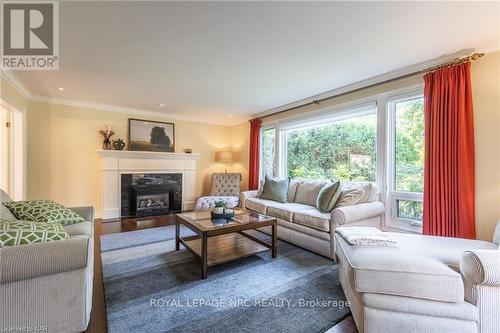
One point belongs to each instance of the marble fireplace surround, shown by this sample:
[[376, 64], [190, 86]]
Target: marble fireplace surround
[[114, 163]]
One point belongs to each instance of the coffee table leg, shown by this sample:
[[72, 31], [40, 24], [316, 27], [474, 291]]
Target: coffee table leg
[[177, 234], [275, 242], [204, 256]]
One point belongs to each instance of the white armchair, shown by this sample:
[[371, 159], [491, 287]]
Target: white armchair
[[224, 187]]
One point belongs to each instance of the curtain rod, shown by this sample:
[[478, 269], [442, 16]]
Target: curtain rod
[[456, 61]]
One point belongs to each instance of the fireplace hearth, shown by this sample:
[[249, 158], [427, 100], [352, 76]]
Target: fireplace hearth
[[151, 194]]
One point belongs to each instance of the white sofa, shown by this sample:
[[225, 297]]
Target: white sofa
[[302, 224], [425, 284], [49, 284]]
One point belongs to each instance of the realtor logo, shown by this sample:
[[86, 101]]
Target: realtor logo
[[29, 35]]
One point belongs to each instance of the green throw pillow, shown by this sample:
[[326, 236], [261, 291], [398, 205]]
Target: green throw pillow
[[275, 189], [328, 197], [27, 232], [43, 211]]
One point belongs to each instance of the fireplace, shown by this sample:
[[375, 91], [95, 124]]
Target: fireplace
[[151, 194]]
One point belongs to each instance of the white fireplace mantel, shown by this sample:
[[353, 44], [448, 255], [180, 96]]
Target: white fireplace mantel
[[114, 163]]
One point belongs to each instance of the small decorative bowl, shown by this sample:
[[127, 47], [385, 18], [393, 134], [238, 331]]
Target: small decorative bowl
[[222, 216]]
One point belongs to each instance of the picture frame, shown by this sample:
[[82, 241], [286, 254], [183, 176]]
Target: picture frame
[[151, 135]]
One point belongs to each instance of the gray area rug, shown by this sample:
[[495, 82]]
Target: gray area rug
[[151, 288], [140, 237]]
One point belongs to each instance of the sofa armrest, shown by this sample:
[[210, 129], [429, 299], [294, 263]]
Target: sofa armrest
[[246, 195], [86, 212], [29, 261], [354, 213], [481, 267]]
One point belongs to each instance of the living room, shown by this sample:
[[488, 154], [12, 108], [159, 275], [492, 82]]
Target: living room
[[253, 166]]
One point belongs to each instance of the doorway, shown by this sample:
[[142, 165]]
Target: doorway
[[11, 151]]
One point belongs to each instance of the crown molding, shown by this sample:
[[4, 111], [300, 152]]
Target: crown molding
[[14, 81], [119, 109]]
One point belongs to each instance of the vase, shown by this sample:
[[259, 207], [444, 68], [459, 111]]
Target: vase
[[118, 144], [218, 210], [106, 144]]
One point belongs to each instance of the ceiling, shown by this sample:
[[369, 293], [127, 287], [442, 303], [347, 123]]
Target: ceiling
[[208, 60]]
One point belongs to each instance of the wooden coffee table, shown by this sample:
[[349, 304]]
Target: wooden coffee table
[[217, 241]]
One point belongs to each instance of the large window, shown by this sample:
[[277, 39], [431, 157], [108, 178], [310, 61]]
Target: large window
[[407, 145], [343, 149], [379, 139], [268, 136]]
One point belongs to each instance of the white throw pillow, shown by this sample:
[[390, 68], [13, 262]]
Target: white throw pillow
[[364, 186], [261, 188], [350, 197]]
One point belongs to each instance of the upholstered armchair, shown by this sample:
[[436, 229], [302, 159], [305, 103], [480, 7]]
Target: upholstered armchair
[[224, 187]]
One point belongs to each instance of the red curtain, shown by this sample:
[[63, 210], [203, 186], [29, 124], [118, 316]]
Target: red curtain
[[449, 208], [253, 169]]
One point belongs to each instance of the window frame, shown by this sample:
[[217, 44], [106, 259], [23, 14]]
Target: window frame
[[261, 151], [327, 116], [392, 194]]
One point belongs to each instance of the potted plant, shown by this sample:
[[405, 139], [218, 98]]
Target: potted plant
[[219, 207]]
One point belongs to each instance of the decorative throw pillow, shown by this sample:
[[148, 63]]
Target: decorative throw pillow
[[261, 188], [27, 232], [275, 189], [5, 214], [328, 197], [43, 211], [349, 197]]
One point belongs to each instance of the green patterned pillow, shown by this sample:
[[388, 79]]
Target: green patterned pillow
[[43, 211], [27, 232]]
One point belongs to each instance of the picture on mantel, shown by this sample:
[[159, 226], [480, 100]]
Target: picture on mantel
[[146, 135]]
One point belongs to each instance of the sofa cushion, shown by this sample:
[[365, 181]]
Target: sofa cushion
[[292, 190], [258, 205], [349, 197], [27, 232], [328, 196], [285, 211], [308, 191], [43, 211], [313, 218], [369, 190], [275, 189]]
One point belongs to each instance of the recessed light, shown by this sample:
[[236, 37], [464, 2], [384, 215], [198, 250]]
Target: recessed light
[[161, 105], [60, 88]]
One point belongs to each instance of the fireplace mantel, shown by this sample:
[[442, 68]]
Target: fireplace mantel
[[114, 163], [146, 154]]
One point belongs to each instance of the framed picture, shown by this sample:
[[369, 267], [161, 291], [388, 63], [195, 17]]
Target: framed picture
[[146, 135]]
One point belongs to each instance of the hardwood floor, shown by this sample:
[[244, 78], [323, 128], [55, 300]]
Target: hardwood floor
[[98, 322]]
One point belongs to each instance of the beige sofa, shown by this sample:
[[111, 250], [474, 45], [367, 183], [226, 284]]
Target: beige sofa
[[425, 284], [302, 224], [49, 285]]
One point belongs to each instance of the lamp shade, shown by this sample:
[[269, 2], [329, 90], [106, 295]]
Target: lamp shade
[[224, 156]]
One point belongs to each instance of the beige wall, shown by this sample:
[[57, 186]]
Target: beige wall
[[486, 93], [63, 164]]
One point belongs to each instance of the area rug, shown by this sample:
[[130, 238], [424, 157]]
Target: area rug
[[152, 288]]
